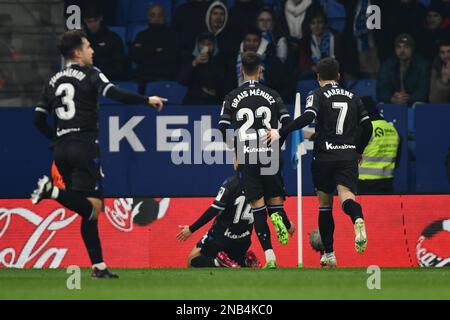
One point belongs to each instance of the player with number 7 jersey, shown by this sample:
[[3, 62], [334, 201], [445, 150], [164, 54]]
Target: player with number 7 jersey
[[343, 130]]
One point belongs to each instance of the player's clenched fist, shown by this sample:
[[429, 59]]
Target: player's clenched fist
[[156, 102]]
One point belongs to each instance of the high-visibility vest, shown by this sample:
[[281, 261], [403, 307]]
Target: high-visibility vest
[[378, 159]]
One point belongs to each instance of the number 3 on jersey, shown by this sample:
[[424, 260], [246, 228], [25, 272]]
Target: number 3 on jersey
[[261, 112], [67, 93]]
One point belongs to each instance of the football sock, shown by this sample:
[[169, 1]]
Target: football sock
[[280, 210], [261, 227], [269, 255], [353, 209], [74, 201], [99, 266], [326, 228], [202, 261], [89, 233]]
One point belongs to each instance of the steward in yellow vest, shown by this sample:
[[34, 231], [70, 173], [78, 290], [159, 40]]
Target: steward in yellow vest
[[376, 171]]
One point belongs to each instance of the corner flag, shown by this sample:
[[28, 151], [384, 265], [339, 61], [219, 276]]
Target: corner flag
[[297, 145]]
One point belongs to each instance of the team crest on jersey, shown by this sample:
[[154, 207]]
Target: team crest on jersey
[[220, 194], [309, 101]]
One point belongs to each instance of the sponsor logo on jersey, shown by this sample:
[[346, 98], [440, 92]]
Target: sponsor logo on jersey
[[61, 132], [230, 235], [247, 149], [331, 146]]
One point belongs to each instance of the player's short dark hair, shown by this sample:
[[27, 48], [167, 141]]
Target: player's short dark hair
[[70, 41], [250, 62], [328, 69]]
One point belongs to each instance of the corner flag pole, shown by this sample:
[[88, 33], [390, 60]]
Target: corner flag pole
[[297, 112]]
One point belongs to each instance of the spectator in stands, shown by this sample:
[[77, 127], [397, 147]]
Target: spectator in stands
[[216, 22], [271, 31], [155, 49], [318, 43], [109, 51], [440, 75], [242, 18], [404, 78], [16, 80], [203, 73], [274, 75], [293, 17], [358, 54], [10, 57], [435, 31], [188, 22]]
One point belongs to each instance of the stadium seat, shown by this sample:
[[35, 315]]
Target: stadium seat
[[122, 12], [304, 87], [131, 86], [336, 15], [138, 9], [171, 90], [177, 3], [364, 87]]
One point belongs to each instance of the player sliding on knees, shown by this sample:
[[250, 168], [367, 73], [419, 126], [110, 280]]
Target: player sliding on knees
[[227, 242], [251, 109], [72, 95], [338, 147]]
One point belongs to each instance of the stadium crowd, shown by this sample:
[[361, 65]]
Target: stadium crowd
[[197, 43], [408, 58]]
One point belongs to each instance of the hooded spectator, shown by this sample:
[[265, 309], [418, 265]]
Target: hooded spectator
[[271, 31], [203, 72], [109, 50], [216, 22], [440, 75], [155, 49], [404, 78]]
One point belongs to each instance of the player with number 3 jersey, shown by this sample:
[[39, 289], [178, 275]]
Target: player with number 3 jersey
[[72, 95]]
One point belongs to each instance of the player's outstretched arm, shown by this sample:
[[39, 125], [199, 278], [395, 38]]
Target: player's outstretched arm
[[206, 217], [129, 97], [156, 102], [305, 119]]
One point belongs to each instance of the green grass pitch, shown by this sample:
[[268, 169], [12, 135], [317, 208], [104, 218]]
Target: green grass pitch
[[223, 284]]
